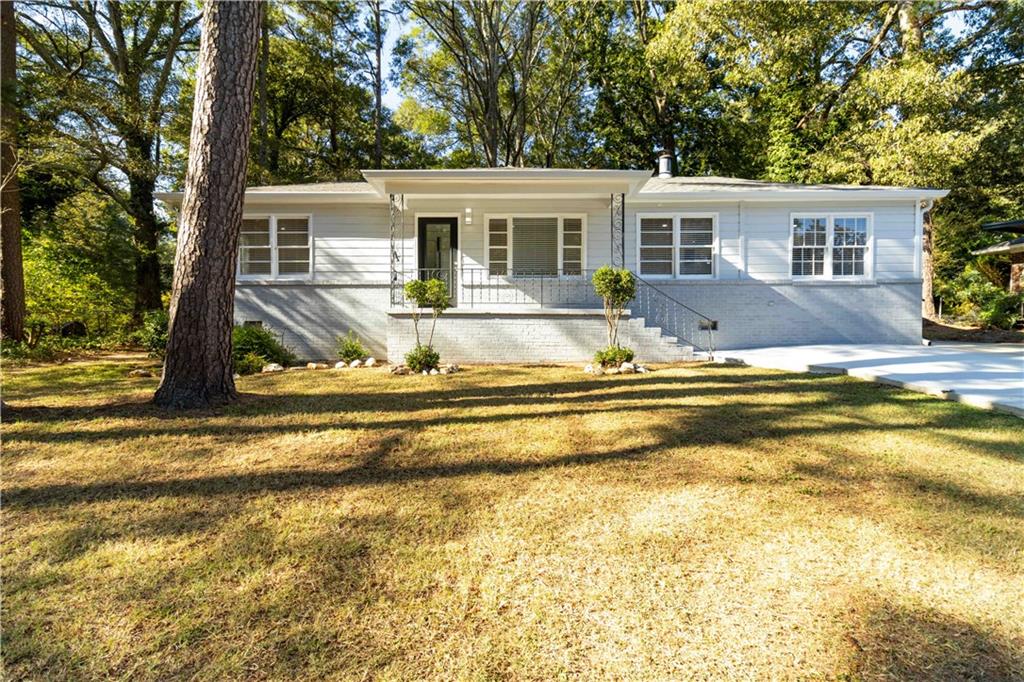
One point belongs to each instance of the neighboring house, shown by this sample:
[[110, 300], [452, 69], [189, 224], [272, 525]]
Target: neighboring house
[[1014, 248], [722, 262]]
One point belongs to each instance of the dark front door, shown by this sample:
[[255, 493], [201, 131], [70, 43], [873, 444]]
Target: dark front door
[[438, 244]]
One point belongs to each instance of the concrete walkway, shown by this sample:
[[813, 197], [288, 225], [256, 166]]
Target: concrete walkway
[[990, 376]]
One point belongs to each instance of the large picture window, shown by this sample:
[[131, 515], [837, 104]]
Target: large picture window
[[679, 245], [275, 246], [830, 246], [536, 245]]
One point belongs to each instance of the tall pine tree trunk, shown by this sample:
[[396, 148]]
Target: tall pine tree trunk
[[198, 369], [378, 86], [12, 278], [928, 309]]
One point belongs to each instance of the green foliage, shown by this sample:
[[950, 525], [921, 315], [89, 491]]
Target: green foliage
[[617, 286], [422, 358], [974, 299], [250, 363], [351, 348], [613, 356], [60, 288], [428, 293], [259, 342], [152, 335]]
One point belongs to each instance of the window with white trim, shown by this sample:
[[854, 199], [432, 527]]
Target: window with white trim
[[830, 246], [536, 245], [275, 246], [681, 245], [497, 246]]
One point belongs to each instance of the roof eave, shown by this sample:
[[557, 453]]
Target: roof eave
[[789, 195]]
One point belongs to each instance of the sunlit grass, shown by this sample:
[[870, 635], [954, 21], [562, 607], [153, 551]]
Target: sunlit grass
[[509, 522]]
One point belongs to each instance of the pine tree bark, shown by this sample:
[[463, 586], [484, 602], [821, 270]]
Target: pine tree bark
[[378, 85], [928, 309], [12, 278], [198, 370]]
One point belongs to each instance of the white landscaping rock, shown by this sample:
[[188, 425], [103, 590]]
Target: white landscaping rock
[[341, 364], [435, 371], [355, 363], [627, 368], [612, 370], [272, 367], [589, 369], [316, 365], [641, 369], [370, 362]]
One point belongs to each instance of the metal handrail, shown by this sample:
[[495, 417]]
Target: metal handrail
[[551, 288], [674, 316]]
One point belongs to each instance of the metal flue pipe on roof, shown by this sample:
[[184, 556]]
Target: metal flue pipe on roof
[[664, 165]]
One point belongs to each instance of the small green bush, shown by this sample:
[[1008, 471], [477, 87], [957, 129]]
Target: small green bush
[[617, 287], [350, 348], [974, 299], [422, 358], [246, 340], [613, 356], [250, 363], [152, 335]]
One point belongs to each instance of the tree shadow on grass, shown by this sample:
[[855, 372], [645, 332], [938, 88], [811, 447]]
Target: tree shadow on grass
[[734, 397], [896, 642]]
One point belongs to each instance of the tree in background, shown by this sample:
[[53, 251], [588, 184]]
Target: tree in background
[[882, 93], [198, 369], [12, 281], [483, 73], [106, 77]]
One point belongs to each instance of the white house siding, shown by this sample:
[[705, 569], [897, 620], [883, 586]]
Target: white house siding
[[754, 299], [752, 296]]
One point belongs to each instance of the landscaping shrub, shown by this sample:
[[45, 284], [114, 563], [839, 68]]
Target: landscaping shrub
[[153, 334], [613, 356], [617, 287], [350, 348], [250, 363], [433, 294], [246, 340], [974, 299], [422, 358]]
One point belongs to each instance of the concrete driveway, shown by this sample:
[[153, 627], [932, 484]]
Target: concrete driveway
[[990, 376]]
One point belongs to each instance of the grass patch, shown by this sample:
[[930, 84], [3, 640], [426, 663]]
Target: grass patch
[[517, 522]]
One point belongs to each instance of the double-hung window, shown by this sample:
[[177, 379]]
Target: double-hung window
[[536, 245], [681, 245], [275, 247], [830, 246]]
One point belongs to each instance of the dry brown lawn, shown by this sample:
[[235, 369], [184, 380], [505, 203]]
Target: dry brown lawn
[[516, 523]]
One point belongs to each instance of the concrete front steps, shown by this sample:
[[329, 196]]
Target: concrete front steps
[[652, 344]]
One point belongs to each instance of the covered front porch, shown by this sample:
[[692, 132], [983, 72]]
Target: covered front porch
[[506, 237]]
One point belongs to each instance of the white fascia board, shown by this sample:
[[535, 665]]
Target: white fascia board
[[790, 195], [255, 198], [524, 181]]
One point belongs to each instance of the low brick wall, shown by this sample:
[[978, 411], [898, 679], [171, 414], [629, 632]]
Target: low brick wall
[[527, 336]]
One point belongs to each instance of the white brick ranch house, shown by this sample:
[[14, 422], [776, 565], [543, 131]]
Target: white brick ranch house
[[722, 263]]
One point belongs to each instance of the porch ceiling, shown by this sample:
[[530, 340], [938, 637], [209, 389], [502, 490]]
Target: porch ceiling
[[507, 182]]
